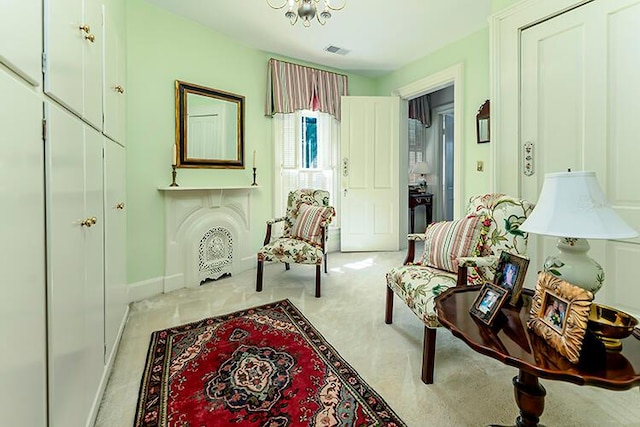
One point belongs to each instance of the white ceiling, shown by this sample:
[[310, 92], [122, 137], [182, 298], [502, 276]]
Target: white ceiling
[[382, 35]]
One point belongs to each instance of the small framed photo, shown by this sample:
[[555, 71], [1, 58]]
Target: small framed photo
[[559, 314], [488, 302], [510, 275]]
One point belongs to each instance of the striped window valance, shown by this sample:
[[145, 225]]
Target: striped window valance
[[420, 109], [292, 87]]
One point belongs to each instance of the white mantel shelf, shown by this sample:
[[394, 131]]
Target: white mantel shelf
[[240, 187]]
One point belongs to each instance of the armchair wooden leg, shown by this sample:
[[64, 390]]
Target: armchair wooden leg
[[287, 266], [259, 277], [388, 314], [428, 355], [318, 272], [325, 263]]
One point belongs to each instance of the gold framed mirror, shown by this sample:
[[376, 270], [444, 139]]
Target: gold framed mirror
[[482, 123], [209, 127]]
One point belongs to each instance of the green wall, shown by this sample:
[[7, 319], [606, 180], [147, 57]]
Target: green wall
[[473, 52], [162, 48]]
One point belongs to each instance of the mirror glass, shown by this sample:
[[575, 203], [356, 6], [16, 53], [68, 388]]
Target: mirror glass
[[209, 127], [482, 123]]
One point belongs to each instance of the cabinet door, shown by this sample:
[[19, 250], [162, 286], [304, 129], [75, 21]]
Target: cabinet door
[[115, 291], [63, 45], [74, 253], [114, 69], [73, 50], [22, 257], [94, 265], [24, 58]]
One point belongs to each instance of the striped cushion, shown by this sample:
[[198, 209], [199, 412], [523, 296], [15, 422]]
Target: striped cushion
[[448, 240], [307, 225]]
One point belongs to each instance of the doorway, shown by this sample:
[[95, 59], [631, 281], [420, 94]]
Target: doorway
[[431, 142]]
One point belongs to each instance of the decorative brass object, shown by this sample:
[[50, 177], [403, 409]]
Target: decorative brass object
[[85, 28], [120, 205], [119, 89], [89, 222], [610, 324], [90, 37], [173, 177]]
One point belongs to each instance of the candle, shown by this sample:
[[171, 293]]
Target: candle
[[174, 160], [254, 158]]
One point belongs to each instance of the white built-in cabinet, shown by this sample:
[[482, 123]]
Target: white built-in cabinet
[[62, 186], [21, 38], [75, 223], [115, 280], [73, 56], [22, 255], [114, 71]]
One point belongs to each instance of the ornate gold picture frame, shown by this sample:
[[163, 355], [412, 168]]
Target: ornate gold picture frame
[[559, 314]]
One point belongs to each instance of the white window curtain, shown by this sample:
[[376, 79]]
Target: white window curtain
[[290, 175]]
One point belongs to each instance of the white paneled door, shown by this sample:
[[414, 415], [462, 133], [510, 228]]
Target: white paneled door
[[580, 98], [369, 166]]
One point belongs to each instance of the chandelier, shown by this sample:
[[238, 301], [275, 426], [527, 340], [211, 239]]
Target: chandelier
[[307, 10]]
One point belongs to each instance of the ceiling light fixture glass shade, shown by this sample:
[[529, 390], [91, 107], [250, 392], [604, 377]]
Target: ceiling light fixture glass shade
[[573, 207], [306, 10]]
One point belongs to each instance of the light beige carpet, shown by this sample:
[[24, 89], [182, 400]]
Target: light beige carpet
[[470, 389]]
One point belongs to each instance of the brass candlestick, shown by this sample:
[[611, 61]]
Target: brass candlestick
[[254, 177], [173, 177]]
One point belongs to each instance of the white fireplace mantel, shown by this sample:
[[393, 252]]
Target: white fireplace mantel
[[194, 213]]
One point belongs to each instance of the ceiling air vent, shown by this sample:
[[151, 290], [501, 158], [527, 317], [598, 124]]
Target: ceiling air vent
[[337, 50]]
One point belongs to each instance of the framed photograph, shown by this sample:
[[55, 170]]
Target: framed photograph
[[510, 275], [487, 305], [559, 314]]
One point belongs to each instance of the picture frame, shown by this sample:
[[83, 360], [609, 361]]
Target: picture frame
[[510, 275], [559, 314], [488, 303]]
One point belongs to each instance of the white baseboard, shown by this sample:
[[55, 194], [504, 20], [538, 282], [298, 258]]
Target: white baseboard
[[107, 372], [146, 289]]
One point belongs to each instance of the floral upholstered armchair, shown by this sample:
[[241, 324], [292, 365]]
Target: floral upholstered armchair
[[456, 253], [304, 234]]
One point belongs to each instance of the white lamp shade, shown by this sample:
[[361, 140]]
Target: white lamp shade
[[421, 168], [571, 204]]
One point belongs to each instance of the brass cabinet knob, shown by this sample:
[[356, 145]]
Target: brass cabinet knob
[[89, 222], [90, 37], [120, 205], [85, 28], [119, 89]]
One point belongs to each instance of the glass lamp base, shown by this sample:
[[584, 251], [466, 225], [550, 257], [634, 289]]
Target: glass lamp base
[[573, 264]]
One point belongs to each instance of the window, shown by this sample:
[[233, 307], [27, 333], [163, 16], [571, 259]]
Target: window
[[306, 148]]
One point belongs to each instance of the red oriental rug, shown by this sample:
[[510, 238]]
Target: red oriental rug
[[265, 367]]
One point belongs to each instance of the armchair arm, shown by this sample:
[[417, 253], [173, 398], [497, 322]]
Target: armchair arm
[[411, 249], [270, 222], [465, 262]]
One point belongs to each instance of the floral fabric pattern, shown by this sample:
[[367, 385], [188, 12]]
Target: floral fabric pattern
[[291, 251], [418, 285]]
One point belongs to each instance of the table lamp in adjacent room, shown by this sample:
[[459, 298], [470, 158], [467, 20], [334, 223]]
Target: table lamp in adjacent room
[[423, 169], [573, 207]]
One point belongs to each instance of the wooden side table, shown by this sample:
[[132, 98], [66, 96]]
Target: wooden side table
[[420, 199], [512, 343]]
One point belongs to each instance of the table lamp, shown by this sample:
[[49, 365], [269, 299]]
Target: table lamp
[[572, 207], [421, 168]]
